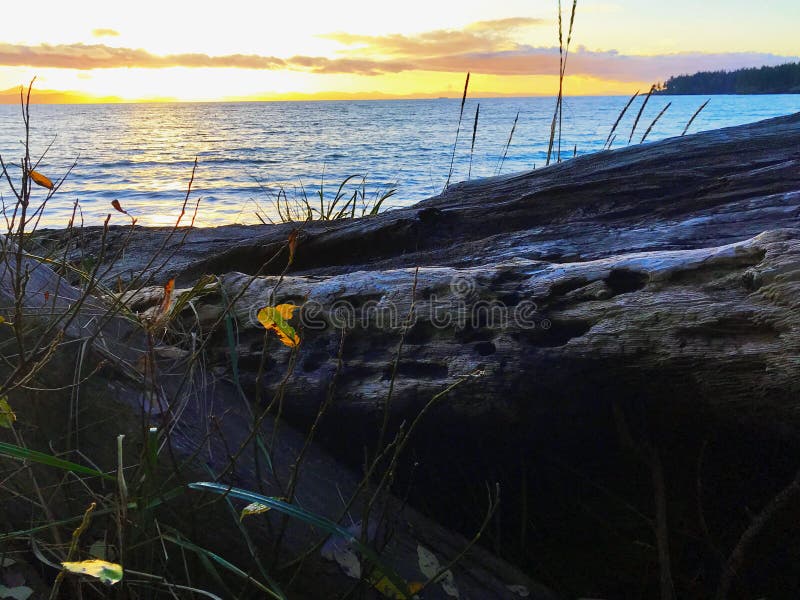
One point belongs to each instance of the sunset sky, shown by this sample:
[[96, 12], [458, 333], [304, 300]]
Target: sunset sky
[[243, 50]]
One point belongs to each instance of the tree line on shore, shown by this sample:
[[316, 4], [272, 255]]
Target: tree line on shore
[[782, 79]]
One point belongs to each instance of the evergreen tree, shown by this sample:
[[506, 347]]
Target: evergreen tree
[[783, 79]]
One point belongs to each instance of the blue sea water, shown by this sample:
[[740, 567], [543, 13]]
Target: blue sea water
[[142, 154]]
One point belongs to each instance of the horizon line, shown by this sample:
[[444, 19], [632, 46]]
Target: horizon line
[[3, 102], [300, 98]]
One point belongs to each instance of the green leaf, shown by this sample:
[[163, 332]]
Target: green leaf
[[7, 416]]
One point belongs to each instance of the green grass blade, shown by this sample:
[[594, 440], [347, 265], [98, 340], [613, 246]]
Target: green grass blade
[[313, 520], [20, 453], [26, 533], [251, 546], [234, 355], [202, 552], [376, 209], [151, 453], [338, 197], [346, 208]]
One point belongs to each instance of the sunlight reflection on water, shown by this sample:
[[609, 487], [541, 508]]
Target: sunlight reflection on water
[[142, 154]]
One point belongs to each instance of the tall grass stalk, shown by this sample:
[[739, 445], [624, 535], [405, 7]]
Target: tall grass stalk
[[694, 116], [653, 124], [458, 130], [610, 138], [474, 134], [641, 112], [563, 54], [508, 144]]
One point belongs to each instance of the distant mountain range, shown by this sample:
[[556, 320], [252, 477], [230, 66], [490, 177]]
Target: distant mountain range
[[783, 79]]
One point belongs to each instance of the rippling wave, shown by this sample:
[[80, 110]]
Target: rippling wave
[[142, 154]]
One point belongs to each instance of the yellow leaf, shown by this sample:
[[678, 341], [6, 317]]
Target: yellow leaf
[[7, 416], [254, 508], [286, 310], [274, 318], [105, 571], [384, 585], [41, 180]]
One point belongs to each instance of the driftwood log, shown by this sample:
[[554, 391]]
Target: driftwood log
[[209, 420], [676, 256], [648, 294]]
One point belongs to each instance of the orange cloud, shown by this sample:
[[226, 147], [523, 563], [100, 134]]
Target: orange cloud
[[491, 47], [100, 56], [509, 24], [482, 36], [486, 47], [351, 66], [105, 32]]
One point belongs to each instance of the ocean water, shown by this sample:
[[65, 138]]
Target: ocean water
[[142, 154]]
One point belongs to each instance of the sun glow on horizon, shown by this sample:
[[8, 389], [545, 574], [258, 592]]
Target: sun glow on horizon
[[158, 51]]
